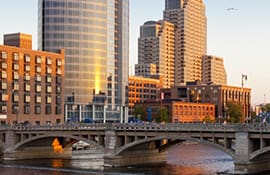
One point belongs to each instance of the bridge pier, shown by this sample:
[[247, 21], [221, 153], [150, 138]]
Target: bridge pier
[[243, 149]]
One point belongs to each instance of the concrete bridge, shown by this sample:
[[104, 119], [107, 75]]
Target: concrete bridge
[[129, 144]]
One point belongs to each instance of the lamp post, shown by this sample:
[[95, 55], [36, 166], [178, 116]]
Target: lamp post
[[244, 78]]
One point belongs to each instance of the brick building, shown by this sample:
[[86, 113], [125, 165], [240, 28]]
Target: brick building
[[31, 86]]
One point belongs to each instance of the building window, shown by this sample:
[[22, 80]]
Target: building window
[[48, 99], [15, 56], [27, 87], [3, 85], [58, 71], [4, 74], [38, 78], [38, 88], [3, 55], [48, 109], [27, 109], [15, 66], [15, 109], [4, 97], [15, 86], [48, 89], [38, 69], [27, 58], [27, 77], [27, 68], [38, 99], [4, 65], [27, 98], [38, 60], [48, 61], [58, 109], [15, 76], [59, 62], [48, 79], [58, 89], [3, 108], [16, 98], [58, 79], [48, 70], [37, 109], [58, 100]]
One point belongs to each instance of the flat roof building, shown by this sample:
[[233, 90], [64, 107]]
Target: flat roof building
[[31, 86], [213, 70]]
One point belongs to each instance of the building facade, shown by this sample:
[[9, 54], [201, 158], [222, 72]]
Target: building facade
[[156, 46], [189, 19], [213, 70], [178, 111], [32, 85], [95, 36], [142, 89], [214, 94]]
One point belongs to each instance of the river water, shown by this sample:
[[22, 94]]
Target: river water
[[183, 159]]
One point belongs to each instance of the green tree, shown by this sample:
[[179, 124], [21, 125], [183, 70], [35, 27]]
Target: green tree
[[139, 112], [234, 112], [208, 119], [267, 107], [163, 115]]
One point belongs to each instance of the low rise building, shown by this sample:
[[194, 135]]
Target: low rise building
[[178, 111], [215, 94]]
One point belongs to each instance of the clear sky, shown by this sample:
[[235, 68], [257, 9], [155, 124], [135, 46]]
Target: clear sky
[[241, 37]]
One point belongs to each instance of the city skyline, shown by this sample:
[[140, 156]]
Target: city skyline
[[240, 35]]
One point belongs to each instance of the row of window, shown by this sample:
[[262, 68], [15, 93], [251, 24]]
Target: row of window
[[27, 98], [27, 109]]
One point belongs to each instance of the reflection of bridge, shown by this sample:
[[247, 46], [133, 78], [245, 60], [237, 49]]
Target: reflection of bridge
[[248, 145]]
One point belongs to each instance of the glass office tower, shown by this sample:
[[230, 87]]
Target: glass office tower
[[94, 34]]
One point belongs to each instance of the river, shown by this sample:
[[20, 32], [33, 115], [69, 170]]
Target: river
[[183, 159]]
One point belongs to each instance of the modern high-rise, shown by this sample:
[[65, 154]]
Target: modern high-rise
[[189, 19], [95, 36], [213, 70], [156, 47]]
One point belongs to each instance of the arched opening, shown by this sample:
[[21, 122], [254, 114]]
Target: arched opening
[[54, 146]]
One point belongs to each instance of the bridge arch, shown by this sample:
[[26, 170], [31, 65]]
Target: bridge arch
[[160, 138], [259, 153], [34, 138]]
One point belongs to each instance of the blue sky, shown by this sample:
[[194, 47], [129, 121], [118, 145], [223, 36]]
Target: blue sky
[[241, 37]]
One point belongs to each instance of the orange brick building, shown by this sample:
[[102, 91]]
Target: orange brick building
[[190, 112], [31, 85], [179, 111], [142, 89]]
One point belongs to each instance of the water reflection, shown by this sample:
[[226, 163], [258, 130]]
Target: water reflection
[[194, 159]]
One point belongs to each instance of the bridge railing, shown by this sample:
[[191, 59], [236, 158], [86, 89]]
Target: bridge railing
[[146, 127]]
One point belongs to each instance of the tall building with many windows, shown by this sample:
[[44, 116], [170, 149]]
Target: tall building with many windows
[[213, 70], [156, 51], [95, 36], [31, 87], [189, 19]]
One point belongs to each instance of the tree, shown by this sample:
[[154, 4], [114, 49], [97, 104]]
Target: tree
[[266, 108], [163, 115], [208, 119], [234, 112], [139, 112]]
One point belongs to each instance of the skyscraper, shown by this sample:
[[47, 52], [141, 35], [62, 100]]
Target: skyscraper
[[156, 50], [95, 36], [189, 19], [213, 71]]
